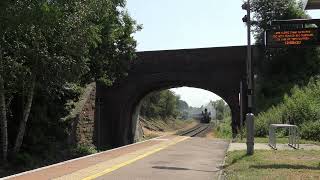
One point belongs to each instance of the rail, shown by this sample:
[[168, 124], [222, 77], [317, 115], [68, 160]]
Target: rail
[[198, 130]]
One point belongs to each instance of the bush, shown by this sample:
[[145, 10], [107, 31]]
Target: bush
[[301, 108], [24, 160], [311, 131], [83, 150], [272, 116], [223, 128]]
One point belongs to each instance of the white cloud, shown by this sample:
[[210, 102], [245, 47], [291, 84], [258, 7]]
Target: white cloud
[[195, 97]]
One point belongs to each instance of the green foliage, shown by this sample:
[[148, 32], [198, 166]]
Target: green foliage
[[282, 72], [182, 105], [266, 11], [183, 109], [302, 108], [222, 109], [163, 104], [279, 70], [59, 45], [223, 128], [264, 119], [114, 46], [23, 159], [82, 150], [311, 130]]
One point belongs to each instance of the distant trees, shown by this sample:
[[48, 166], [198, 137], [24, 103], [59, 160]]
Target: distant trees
[[183, 109], [46, 46], [162, 105], [182, 105], [222, 109]]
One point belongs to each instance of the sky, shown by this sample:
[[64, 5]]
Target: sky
[[195, 97], [185, 24]]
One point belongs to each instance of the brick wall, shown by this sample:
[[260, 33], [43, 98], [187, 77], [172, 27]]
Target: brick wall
[[82, 120]]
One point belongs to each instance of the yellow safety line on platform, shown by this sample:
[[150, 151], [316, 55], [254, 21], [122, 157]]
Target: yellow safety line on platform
[[113, 168]]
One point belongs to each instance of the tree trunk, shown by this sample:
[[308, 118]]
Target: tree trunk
[[3, 115], [26, 113]]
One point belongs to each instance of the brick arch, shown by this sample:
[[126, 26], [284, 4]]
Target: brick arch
[[219, 70]]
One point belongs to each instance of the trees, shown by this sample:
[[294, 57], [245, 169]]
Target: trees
[[49, 56], [283, 68], [183, 109], [222, 109], [161, 104], [287, 87], [48, 45], [114, 45], [7, 69], [3, 111], [168, 104], [182, 105], [266, 11]]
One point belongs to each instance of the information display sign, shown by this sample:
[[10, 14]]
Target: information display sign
[[293, 37]]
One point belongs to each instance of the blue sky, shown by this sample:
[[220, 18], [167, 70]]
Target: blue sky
[[181, 24], [178, 24]]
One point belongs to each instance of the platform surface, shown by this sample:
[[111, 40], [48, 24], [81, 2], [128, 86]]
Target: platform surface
[[165, 158]]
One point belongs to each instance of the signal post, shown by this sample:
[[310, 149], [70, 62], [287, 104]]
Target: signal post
[[249, 115]]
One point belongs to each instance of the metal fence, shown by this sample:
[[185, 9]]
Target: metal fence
[[294, 135]]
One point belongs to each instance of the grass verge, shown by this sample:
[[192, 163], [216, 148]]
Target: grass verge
[[223, 130], [281, 140], [273, 165]]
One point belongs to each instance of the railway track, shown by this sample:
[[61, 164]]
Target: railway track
[[198, 131]]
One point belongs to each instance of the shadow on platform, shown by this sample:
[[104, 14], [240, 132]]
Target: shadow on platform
[[180, 169]]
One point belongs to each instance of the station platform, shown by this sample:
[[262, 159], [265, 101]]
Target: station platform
[[167, 157]]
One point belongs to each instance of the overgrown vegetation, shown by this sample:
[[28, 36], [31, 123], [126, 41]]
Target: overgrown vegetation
[[284, 91], [82, 150], [302, 108], [223, 129]]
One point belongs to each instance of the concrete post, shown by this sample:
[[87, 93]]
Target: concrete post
[[250, 133], [249, 116]]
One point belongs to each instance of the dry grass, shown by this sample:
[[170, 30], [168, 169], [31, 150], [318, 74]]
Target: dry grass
[[156, 128], [273, 165], [281, 140]]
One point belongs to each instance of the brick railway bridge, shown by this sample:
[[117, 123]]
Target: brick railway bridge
[[220, 70]]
